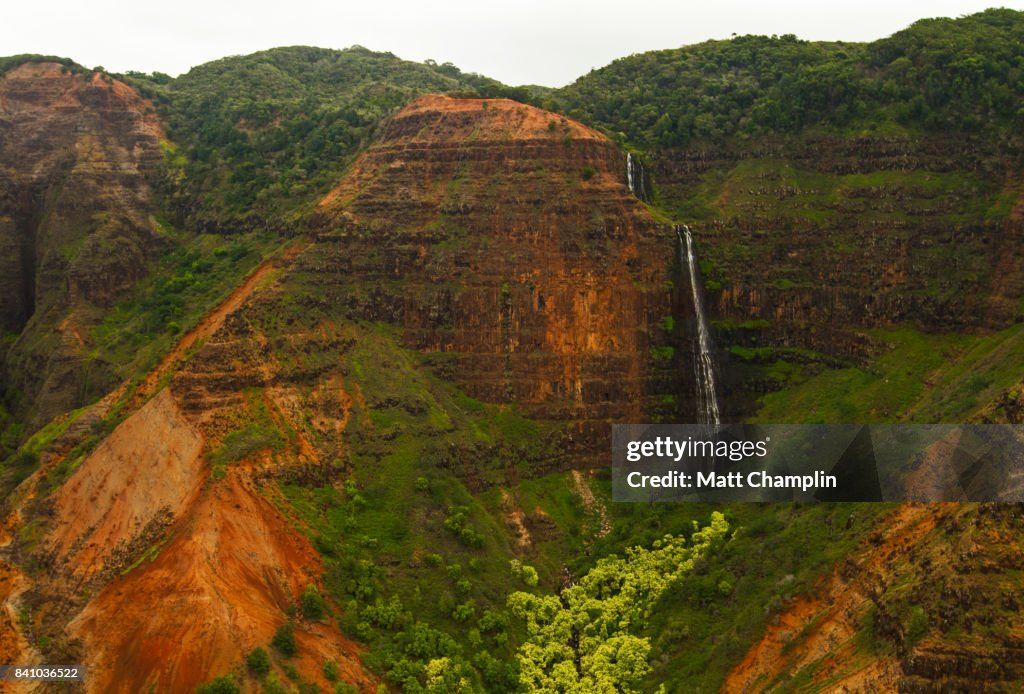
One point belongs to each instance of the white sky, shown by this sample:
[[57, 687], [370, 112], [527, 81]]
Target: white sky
[[549, 42]]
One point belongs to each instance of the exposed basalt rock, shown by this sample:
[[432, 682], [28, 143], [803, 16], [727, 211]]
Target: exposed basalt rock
[[503, 237], [886, 254], [76, 225], [822, 239], [500, 241]]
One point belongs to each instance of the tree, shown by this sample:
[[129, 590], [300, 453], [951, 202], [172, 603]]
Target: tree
[[445, 676], [584, 639]]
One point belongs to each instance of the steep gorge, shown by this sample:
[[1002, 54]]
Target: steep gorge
[[181, 557], [811, 243], [467, 311]]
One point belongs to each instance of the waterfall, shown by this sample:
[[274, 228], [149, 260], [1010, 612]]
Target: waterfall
[[704, 368], [635, 177]]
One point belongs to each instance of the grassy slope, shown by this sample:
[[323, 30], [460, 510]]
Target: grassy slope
[[920, 377], [418, 562], [409, 549], [384, 539]]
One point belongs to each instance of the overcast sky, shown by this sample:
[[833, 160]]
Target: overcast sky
[[549, 42]]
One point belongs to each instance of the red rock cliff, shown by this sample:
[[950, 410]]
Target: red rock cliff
[[503, 238]]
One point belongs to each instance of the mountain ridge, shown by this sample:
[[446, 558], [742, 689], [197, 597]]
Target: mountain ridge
[[378, 338]]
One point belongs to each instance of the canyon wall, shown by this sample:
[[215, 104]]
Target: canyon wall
[[501, 239], [809, 242], [76, 223]]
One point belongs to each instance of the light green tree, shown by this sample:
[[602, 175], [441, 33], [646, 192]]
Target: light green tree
[[584, 640]]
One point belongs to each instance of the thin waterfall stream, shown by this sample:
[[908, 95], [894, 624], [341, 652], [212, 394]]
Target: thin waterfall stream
[[704, 366], [635, 178]]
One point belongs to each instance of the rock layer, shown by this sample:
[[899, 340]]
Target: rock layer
[[502, 239], [76, 224]]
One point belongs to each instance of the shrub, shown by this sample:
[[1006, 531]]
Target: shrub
[[527, 574], [330, 670], [313, 605], [464, 612], [458, 523], [284, 640], [225, 684], [272, 685], [258, 661]]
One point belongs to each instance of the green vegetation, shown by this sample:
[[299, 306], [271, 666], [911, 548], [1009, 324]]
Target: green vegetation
[[421, 569], [225, 684], [939, 75], [148, 556], [258, 661], [284, 640], [704, 622], [585, 639], [917, 376], [183, 285], [432, 509], [312, 603], [10, 62], [291, 121], [244, 442]]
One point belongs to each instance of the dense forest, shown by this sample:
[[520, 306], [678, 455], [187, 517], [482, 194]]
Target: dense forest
[[963, 75], [294, 117]]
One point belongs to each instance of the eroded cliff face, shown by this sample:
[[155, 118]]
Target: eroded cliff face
[[131, 557], [928, 604], [811, 242], [502, 239], [482, 242], [76, 224]]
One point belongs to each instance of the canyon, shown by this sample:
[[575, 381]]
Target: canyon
[[367, 383]]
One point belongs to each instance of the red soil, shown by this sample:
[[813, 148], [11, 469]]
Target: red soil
[[822, 626], [149, 463], [218, 589]]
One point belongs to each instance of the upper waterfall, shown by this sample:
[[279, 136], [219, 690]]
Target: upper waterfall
[[635, 177]]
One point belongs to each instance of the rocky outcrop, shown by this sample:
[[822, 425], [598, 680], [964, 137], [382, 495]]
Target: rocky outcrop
[[76, 224], [502, 239]]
